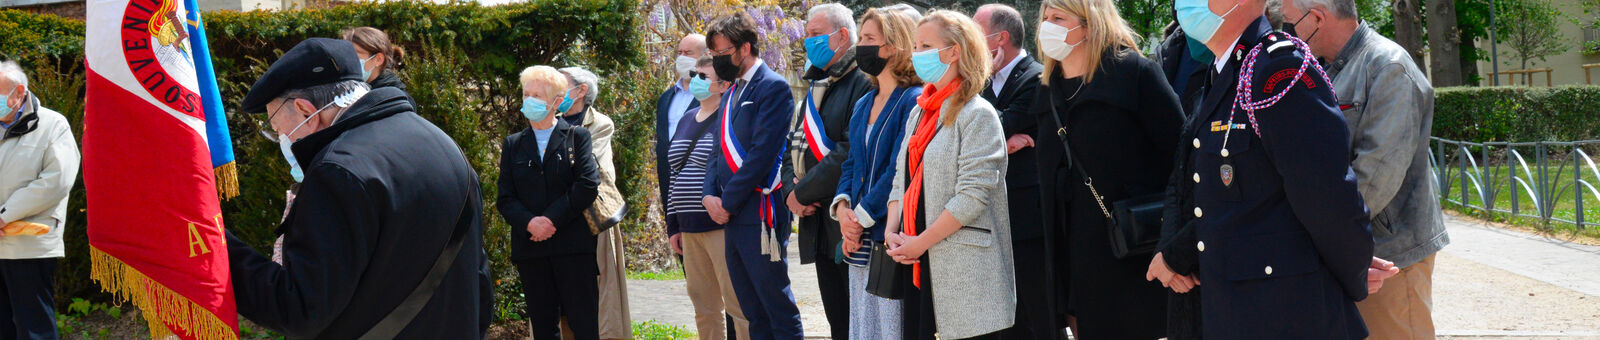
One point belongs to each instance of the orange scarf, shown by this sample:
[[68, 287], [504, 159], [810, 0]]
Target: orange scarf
[[930, 101]]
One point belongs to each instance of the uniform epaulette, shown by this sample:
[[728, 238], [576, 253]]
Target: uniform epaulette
[[1278, 42]]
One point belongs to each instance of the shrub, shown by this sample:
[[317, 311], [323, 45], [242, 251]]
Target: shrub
[[462, 72], [1517, 114]]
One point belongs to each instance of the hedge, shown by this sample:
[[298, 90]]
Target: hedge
[[461, 68], [1517, 114]]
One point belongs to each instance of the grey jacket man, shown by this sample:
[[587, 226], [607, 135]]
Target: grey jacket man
[[40, 161], [974, 284], [1388, 104]]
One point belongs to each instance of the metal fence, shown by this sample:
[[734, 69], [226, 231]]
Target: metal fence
[[1475, 174]]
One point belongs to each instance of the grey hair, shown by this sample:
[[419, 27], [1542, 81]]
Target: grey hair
[[10, 70], [578, 76], [838, 16], [1343, 9], [1005, 18], [322, 95], [906, 9]]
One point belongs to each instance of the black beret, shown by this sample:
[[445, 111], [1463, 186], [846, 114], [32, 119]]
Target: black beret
[[313, 62]]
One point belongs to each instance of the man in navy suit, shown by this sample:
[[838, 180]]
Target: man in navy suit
[[674, 102], [742, 188]]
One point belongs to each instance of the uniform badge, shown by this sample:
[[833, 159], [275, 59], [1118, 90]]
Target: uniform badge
[[1227, 174]]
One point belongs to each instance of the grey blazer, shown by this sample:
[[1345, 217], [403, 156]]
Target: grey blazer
[[974, 285]]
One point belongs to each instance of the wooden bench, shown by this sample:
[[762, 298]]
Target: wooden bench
[[1527, 75]]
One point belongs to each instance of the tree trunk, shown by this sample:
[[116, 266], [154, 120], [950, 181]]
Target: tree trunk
[[1469, 65], [1444, 40], [1408, 28]]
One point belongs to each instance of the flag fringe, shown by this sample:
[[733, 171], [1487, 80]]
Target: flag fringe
[[228, 180], [160, 306]]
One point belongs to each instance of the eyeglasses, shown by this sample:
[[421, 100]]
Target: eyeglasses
[[697, 74], [725, 51], [264, 127]]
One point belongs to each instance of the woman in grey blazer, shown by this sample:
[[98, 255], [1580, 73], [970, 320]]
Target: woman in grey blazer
[[950, 181]]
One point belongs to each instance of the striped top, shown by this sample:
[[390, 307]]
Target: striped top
[[685, 212], [861, 255]]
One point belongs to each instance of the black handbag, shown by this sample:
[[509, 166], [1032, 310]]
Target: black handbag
[[1134, 224], [886, 278]]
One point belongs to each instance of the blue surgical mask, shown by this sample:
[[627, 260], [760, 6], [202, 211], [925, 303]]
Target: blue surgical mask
[[566, 101], [365, 73], [700, 87], [5, 103], [534, 109], [285, 143], [817, 50], [928, 65], [1197, 20]]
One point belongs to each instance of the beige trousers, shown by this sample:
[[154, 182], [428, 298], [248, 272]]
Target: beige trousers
[[1403, 308], [705, 267]]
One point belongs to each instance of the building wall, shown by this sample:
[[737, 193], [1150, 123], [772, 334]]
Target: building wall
[[1566, 68]]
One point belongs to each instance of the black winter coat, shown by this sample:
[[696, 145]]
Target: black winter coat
[[559, 186], [1123, 128], [383, 191]]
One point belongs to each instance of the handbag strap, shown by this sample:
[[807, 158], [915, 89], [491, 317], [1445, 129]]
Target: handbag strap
[[1072, 161], [397, 320]]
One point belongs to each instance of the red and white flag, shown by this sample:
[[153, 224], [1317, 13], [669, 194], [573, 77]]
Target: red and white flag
[[155, 224]]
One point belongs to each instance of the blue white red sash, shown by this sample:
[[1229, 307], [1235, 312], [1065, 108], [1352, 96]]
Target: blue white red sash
[[734, 156], [816, 136]]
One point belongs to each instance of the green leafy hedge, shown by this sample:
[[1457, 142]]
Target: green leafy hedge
[[461, 68], [1519, 114]]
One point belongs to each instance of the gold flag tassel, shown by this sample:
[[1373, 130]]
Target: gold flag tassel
[[160, 306], [228, 180]]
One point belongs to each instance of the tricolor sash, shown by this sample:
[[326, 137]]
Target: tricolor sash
[[816, 136], [734, 156]]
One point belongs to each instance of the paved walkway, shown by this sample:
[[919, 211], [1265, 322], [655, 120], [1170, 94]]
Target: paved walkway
[[1488, 283]]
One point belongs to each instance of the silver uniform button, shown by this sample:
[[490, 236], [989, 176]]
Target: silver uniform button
[[1269, 270], [1197, 212], [1197, 177], [1200, 246], [1197, 143]]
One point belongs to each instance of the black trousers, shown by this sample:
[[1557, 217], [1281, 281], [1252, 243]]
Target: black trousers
[[560, 286], [833, 282], [1034, 315], [27, 298]]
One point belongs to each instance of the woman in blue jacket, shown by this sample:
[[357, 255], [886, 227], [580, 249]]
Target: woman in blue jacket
[[877, 126]]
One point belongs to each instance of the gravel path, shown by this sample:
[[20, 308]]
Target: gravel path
[[1489, 283]]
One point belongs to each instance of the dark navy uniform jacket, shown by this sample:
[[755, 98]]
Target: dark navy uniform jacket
[[760, 116], [1284, 239]]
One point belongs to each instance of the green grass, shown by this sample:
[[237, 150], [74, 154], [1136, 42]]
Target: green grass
[[670, 275], [1565, 205], [652, 330]]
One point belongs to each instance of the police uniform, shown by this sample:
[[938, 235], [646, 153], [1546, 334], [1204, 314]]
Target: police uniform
[[1283, 236]]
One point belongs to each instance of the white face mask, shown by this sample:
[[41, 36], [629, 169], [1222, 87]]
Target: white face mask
[[685, 64], [1053, 40]]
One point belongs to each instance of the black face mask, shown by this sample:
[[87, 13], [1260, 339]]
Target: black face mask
[[1289, 28], [725, 68], [869, 61]]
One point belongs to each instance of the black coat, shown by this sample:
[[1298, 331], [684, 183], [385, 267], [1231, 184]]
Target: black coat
[[1189, 78], [1123, 128], [559, 186], [1022, 171], [819, 234], [383, 191], [390, 78]]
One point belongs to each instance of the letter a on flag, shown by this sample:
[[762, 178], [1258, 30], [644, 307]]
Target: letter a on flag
[[155, 224]]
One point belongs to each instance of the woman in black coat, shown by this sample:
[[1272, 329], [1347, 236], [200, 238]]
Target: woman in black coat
[[548, 177], [1122, 121]]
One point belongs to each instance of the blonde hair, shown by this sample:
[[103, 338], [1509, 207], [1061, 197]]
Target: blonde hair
[[545, 74], [898, 30], [1104, 29], [973, 66]]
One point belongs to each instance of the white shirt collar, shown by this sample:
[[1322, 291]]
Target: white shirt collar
[[751, 73], [1222, 60], [1005, 72]]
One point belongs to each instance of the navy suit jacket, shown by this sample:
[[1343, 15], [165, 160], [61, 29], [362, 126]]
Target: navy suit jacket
[[759, 117], [664, 140]]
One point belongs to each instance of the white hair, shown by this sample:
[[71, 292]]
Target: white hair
[[908, 10], [838, 16], [578, 76], [13, 72], [1343, 9]]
